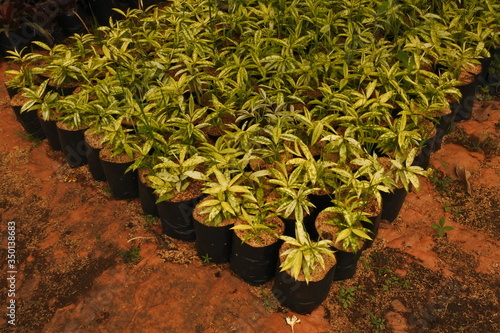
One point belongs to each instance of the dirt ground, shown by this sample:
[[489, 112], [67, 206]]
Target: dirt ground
[[88, 263]]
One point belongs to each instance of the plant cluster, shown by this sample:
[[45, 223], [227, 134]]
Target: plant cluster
[[292, 97]]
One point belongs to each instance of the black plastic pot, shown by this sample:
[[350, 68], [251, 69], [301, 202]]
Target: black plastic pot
[[347, 264], [424, 156], [213, 243], [299, 296], [94, 163], [73, 146], [123, 185], [468, 91], [308, 224], [16, 39], [177, 218], [255, 265], [49, 127], [148, 199], [11, 91], [392, 203], [70, 23], [373, 227], [444, 124], [29, 121], [100, 10]]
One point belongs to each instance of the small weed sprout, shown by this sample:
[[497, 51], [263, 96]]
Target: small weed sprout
[[441, 228], [131, 256]]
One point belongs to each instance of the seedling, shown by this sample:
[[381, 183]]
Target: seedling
[[346, 296], [440, 182], [379, 323], [131, 256], [441, 228], [150, 220], [206, 258]]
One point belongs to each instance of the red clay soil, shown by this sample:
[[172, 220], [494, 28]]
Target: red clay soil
[[76, 269]]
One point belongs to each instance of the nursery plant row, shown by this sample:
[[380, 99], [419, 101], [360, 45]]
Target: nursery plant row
[[275, 134]]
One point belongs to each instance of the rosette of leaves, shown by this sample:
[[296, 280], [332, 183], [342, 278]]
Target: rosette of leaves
[[294, 192], [26, 75], [347, 215], [45, 102], [73, 109], [255, 224], [404, 173], [227, 196], [175, 173], [304, 255]]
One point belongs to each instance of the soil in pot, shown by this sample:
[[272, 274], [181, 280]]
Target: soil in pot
[[49, 127], [123, 184], [72, 144], [93, 146], [256, 260], [65, 89], [299, 296], [28, 119], [146, 193], [177, 214], [213, 243], [347, 260]]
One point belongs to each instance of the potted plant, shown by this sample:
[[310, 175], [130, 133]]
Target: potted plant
[[306, 272], [44, 103], [71, 126], [342, 225], [214, 215], [120, 149], [256, 243], [293, 204], [177, 181], [405, 174]]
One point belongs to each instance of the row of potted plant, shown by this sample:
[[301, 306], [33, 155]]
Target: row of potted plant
[[262, 116]]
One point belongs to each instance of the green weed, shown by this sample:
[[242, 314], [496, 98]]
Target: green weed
[[346, 296], [441, 228], [131, 256], [379, 323]]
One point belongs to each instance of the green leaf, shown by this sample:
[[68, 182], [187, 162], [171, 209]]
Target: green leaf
[[343, 235], [361, 234], [227, 207]]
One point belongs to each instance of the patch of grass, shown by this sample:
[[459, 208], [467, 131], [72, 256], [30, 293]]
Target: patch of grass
[[484, 143], [270, 302], [107, 192], [131, 256], [379, 323], [29, 137], [346, 295], [150, 220], [395, 282], [439, 181]]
